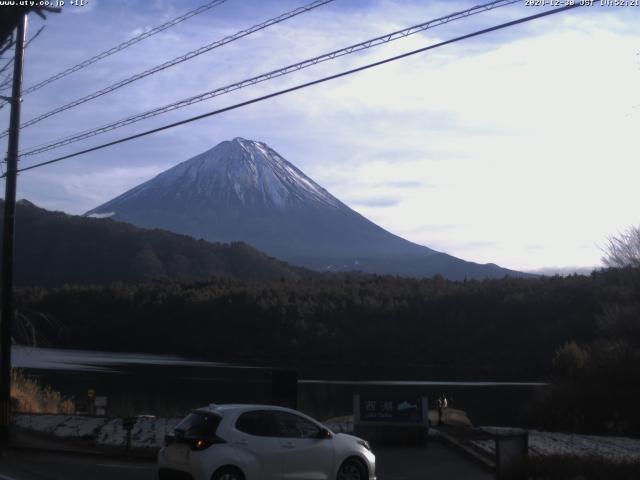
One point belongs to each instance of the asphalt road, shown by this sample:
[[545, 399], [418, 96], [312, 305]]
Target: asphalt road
[[435, 462], [32, 465]]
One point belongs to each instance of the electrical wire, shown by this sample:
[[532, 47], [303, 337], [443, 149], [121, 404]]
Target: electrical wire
[[4, 84], [6, 65], [267, 76], [182, 58], [307, 84], [35, 35], [126, 44]]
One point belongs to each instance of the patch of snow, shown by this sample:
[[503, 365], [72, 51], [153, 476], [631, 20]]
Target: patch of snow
[[615, 449], [150, 432], [146, 432], [61, 426], [238, 188], [112, 433], [249, 169], [101, 215]]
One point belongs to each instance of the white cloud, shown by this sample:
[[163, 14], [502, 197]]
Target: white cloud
[[539, 144]]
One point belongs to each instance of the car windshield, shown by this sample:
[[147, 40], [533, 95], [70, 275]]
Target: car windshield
[[294, 426], [198, 424]]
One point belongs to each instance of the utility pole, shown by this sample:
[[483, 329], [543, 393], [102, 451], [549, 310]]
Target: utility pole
[[6, 312]]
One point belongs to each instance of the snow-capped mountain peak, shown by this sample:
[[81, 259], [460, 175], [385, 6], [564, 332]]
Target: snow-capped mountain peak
[[243, 190], [248, 171]]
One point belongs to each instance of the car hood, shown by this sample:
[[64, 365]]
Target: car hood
[[346, 438]]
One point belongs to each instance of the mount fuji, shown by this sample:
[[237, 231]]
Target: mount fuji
[[242, 190]]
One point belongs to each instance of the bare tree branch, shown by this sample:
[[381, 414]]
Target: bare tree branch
[[623, 250]]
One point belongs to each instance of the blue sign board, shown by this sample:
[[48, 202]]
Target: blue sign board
[[393, 410]]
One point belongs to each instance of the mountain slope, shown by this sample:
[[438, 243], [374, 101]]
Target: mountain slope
[[244, 190], [53, 248]]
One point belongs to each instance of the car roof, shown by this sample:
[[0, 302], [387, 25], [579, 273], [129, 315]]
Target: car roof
[[242, 407]]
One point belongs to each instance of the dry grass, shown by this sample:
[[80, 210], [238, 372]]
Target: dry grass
[[29, 396]]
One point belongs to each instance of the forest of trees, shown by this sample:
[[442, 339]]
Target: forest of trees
[[595, 384], [53, 248], [493, 329], [232, 303]]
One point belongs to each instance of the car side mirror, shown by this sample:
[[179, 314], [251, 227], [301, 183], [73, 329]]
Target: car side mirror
[[324, 434]]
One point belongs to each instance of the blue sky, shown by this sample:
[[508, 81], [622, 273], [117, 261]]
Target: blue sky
[[518, 147]]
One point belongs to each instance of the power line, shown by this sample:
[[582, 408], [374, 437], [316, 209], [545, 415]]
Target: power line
[[123, 45], [6, 65], [305, 85], [7, 44], [35, 35], [268, 76], [4, 84], [176, 61]]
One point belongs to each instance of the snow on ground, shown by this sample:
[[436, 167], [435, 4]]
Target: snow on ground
[[150, 432], [616, 449], [146, 432], [102, 215], [61, 426], [113, 434]]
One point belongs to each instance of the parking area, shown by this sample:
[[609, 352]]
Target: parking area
[[434, 462]]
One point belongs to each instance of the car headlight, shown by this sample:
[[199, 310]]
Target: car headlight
[[364, 443]]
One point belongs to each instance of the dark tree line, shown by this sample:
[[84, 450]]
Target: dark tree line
[[53, 248], [493, 329], [596, 384]]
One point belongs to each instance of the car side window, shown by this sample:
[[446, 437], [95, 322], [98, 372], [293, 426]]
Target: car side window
[[257, 422], [199, 424], [294, 426]]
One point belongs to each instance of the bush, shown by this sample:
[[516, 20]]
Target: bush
[[595, 387], [27, 395]]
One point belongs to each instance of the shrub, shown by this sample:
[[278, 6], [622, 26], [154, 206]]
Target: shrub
[[27, 395]]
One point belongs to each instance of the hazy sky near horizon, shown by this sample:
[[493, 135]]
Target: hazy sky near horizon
[[519, 147]]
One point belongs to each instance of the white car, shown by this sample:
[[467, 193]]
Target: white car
[[261, 442]]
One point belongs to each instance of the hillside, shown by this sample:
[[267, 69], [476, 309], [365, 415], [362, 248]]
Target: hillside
[[53, 248]]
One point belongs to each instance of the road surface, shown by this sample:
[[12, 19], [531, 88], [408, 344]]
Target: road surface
[[435, 462]]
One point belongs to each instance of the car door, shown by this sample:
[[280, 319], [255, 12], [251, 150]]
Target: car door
[[306, 456], [258, 451]]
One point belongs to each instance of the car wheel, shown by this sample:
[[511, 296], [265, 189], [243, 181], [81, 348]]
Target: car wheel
[[228, 473], [352, 470]]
